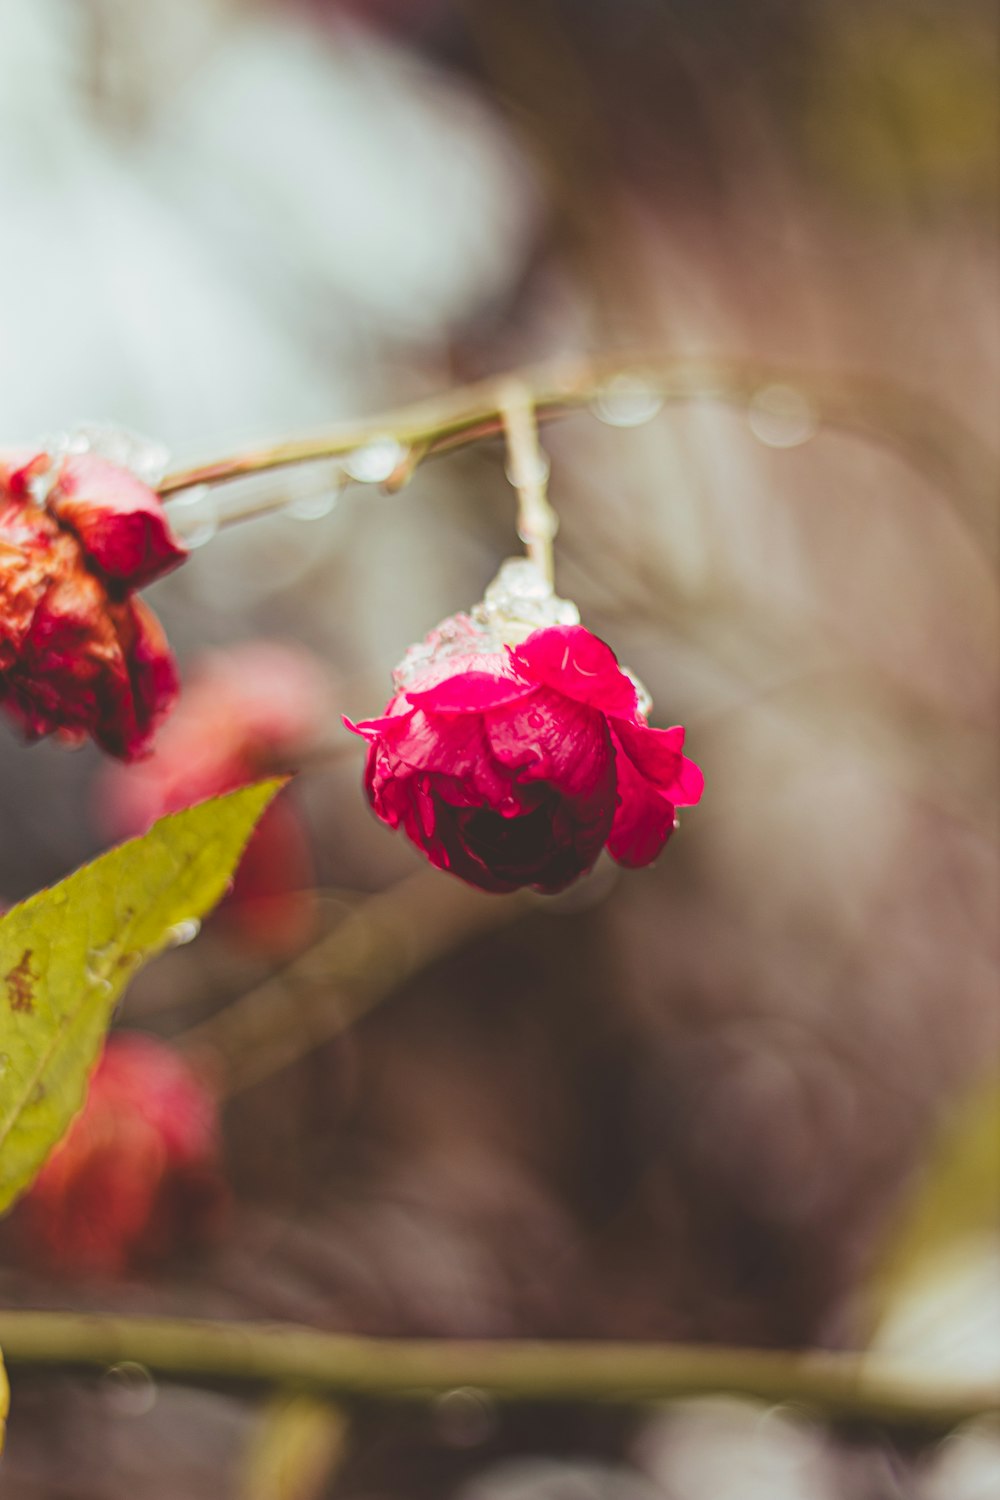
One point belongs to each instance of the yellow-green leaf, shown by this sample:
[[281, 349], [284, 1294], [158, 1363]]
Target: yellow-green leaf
[[67, 953], [955, 1202], [295, 1449], [4, 1402]]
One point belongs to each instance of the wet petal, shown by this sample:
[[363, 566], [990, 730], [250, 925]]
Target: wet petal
[[580, 665], [644, 818], [656, 753], [472, 691], [547, 737], [119, 521]]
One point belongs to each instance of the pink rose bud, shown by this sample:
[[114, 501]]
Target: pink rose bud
[[515, 764], [137, 1175]]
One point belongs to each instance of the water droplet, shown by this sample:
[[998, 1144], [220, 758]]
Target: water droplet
[[643, 695], [376, 461], [184, 932], [464, 1417], [780, 416], [95, 979], [627, 401], [145, 457], [313, 507], [129, 1389], [194, 516], [538, 470]]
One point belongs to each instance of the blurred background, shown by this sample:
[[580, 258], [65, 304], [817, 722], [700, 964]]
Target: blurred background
[[745, 1097]]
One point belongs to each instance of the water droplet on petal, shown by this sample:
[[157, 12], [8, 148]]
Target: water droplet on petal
[[376, 461], [781, 417], [184, 932], [627, 401]]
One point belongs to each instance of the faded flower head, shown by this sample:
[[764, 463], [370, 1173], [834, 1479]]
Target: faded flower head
[[248, 711], [79, 655], [137, 1175], [516, 748]]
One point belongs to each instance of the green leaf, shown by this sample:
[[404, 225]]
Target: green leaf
[[67, 953]]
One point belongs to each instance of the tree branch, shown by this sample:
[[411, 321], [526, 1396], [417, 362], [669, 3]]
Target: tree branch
[[375, 948], [922, 432], [851, 1387]]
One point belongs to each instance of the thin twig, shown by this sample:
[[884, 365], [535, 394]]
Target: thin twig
[[925, 434], [382, 942], [842, 1386]]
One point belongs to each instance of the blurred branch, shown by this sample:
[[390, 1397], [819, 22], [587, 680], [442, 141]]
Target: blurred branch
[[925, 434], [841, 1386], [382, 942]]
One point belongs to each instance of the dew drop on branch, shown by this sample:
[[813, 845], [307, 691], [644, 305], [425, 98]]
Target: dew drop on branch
[[779, 416], [627, 401], [194, 516], [376, 461]]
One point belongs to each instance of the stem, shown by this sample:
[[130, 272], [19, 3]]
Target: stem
[[376, 947], [852, 1386], [922, 432], [528, 470]]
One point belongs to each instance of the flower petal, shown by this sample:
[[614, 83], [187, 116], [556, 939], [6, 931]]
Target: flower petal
[[550, 738], [656, 753], [579, 665], [472, 691], [119, 521], [653, 778]]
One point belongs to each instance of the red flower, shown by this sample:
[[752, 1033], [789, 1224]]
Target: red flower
[[78, 654], [137, 1175], [516, 765], [247, 711]]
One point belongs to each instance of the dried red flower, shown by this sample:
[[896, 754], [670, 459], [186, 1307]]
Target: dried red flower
[[247, 711], [137, 1175], [515, 765], [79, 655]]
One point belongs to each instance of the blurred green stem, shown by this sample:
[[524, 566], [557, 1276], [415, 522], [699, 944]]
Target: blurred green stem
[[925, 434], [380, 943], [839, 1386]]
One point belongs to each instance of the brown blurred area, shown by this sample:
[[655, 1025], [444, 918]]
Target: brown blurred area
[[681, 1103]]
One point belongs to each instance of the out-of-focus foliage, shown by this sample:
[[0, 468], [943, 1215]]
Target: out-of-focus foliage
[[904, 102], [67, 953], [294, 1447], [955, 1200]]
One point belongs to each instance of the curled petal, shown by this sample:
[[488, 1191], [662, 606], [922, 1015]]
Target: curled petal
[[656, 753], [455, 747], [653, 779], [579, 665], [120, 523]]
